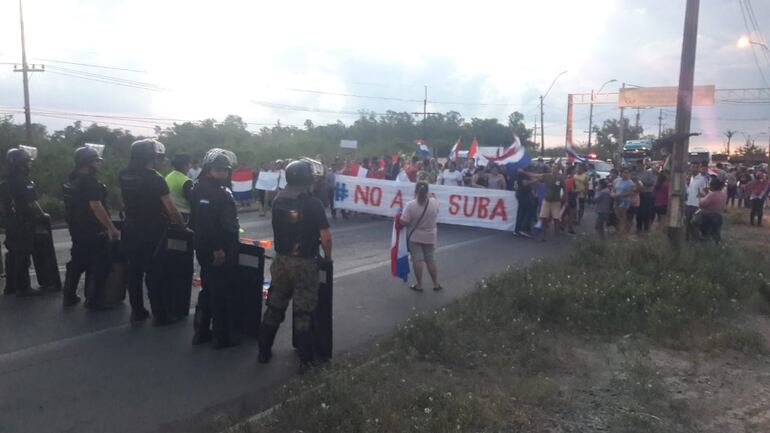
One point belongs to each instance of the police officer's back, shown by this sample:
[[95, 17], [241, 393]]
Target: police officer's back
[[90, 226], [214, 220], [299, 227], [148, 209], [21, 211]]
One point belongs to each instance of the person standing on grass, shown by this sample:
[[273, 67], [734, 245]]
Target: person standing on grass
[[572, 200], [756, 191], [732, 187], [697, 188], [420, 217], [551, 207], [712, 206], [660, 195], [646, 213], [624, 189], [603, 205], [581, 188]]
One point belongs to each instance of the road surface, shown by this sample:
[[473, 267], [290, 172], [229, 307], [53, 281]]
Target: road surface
[[74, 370]]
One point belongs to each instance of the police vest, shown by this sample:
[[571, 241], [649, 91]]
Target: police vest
[[175, 181], [292, 236]]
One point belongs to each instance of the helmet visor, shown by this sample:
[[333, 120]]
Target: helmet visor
[[99, 148], [32, 151], [315, 166]]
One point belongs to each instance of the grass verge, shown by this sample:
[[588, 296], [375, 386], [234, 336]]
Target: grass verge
[[542, 348]]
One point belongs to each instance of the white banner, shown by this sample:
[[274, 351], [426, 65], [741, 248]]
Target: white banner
[[349, 144], [475, 207], [267, 180]]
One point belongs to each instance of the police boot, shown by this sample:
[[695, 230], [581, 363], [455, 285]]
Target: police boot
[[304, 342], [70, 289], [201, 325], [266, 338]]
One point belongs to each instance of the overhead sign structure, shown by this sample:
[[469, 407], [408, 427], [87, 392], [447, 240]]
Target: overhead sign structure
[[475, 207], [349, 144], [641, 97]]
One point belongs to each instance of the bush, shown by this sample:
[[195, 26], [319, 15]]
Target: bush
[[53, 206]]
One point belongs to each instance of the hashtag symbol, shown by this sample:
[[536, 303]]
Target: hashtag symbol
[[340, 192]]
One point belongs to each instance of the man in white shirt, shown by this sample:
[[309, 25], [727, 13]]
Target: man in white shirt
[[697, 188], [451, 176]]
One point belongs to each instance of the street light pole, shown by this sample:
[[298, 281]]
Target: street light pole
[[542, 97], [591, 111]]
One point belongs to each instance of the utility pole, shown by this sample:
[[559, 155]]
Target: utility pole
[[534, 131], [568, 137], [621, 134], [25, 70], [590, 119], [660, 123], [542, 134], [683, 117], [425, 115], [637, 118]]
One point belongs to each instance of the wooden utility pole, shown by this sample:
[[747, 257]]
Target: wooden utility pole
[[621, 135], [568, 138], [683, 117], [534, 131], [660, 123], [25, 70], [542, 130], [590, 119], [425, 115]]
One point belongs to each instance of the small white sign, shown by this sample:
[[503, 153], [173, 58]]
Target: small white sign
[[349, 144]]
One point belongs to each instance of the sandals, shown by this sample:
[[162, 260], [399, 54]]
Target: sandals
[[418, 289]]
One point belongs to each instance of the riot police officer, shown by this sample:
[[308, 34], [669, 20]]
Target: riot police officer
[[90, 225], [148, 211], [21, 214], [299, 225], [214, 220]]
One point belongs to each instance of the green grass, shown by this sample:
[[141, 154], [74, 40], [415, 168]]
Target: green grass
[[487, 362]]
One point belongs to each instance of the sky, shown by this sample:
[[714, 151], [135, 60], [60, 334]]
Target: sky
[[266, 61]]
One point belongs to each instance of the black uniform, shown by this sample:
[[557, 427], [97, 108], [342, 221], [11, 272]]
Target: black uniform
[[143, 231], [89, 251], [214, 220], [18, 196]]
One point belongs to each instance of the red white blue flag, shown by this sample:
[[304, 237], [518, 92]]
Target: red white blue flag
[[399, 254], [572, 154], [242, 181], [455, 150]]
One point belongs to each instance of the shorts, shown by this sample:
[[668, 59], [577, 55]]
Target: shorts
[[572, 200], [421, 252], [661, 210], [601, 219], [550, 209]]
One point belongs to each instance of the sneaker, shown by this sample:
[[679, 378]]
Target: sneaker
[[525, 235]]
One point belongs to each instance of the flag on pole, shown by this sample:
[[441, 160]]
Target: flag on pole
[[422, 149], [473, 152], [242, 180], [455, 150], [572, 154], [399, 255]]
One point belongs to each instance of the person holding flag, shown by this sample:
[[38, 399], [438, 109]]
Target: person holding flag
[[420, 217]]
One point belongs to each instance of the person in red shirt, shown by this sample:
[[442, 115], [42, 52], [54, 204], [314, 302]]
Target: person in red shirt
[[572, 200], [756, 191], [412, 169], [375, 170]]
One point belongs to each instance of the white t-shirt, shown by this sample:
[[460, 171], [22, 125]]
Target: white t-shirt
[[452, 178], [697, 184], [402, 176]]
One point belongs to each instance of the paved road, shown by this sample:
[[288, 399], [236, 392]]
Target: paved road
[[79, 371]]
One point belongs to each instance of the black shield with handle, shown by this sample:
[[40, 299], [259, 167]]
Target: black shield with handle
[[250, 279], [322, 325]]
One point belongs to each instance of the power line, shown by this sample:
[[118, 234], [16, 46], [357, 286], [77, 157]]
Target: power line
[[90, 65], [105, 81], [389, 98], [106, 77], [752, 47]]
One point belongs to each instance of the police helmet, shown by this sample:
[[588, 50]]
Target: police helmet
[[16, 157], [147, 149], [299, 173], [86, 155], [219, 158]]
